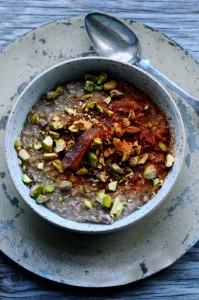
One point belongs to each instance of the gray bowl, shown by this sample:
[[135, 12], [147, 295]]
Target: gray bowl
[[75, 69]]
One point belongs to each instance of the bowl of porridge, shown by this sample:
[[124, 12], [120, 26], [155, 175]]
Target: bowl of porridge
[[94, 145]]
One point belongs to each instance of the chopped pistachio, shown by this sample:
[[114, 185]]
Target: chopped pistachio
[[150, 124], [93, 159], [107, 100], [55, 125], [70, 111], [117, 207], [98, 87], [35, 118], [99, 196], [55, 135], [82, 171], [36, 190], [60, 145], [111, 85], [24, 155], [48, 143], [150, 172], [107, 201], [90, 77], [88, 204], [82, 124], [115, 94], [169, 160], [156, 181], [116, 168], [99, 108], [37, 145], [58, 165], [48, 188], [54, 94], [110, 113], [102, 78], [30, 145], [56, 118], [97, 143], [86, 96], [73, 128], [26, 179], [112, 185], [17, 145], [101, 160], [19, 162], [142, 159], [91, 104], [162, 146], [40, 166], [102, 176], [89, 85], [61, 198], [41, 199], [50, 156], [65, 185]]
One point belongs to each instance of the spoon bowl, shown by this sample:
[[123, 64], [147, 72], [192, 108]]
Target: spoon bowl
[[111, 38]]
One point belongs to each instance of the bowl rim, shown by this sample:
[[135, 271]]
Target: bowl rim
[[53, 218]]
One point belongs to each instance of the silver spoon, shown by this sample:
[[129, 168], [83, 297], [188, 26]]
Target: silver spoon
[[112, 38]]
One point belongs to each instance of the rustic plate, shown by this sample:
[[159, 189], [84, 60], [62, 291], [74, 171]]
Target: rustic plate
[[108, 259]]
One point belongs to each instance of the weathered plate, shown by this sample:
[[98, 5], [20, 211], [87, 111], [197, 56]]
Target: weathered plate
[[108, 259]]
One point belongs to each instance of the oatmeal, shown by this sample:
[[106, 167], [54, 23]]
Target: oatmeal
[[94, 150]]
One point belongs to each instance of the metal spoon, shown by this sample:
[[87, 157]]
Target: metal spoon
[[112, 38]]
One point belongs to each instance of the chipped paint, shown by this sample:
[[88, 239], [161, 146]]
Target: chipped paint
[[21, 87], [3, 122], [143, 268], [14, 201]]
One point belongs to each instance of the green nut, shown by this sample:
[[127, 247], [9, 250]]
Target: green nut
[[117, 207], [89, 85], [35, 118], [82, 171], [88, 204], [169, 160], [93, 159], [48, 143], [17, 145], [26, 179], [48, 188], [59, 145], [150, 172], [65, 185], [111, 85], [24, 155], [41, 199], [162, 146], [36, 190], [112, 185], [58, 165], [107, 201]]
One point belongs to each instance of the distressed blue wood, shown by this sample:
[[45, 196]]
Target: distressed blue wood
[[178, 19]]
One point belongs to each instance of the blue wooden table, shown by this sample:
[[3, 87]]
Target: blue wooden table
[[179, 19]]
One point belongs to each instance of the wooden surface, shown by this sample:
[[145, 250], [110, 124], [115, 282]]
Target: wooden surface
[[180, 21]]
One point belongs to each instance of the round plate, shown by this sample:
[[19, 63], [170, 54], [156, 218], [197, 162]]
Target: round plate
[[108, 259]]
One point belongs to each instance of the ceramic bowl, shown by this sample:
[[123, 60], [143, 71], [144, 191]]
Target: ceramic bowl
[[75, 69]]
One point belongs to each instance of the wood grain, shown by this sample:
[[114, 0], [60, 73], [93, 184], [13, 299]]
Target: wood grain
[[179, 20]]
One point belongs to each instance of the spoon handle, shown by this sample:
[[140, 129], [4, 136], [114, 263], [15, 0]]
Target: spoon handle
[[145, 65]]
